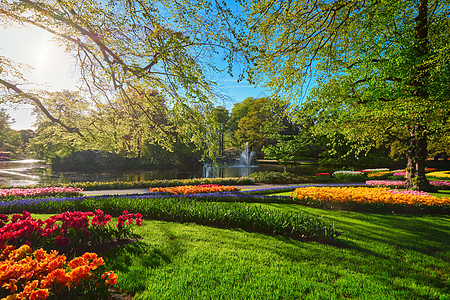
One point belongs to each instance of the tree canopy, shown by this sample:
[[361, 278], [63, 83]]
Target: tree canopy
[[121, 48], [381, 68]]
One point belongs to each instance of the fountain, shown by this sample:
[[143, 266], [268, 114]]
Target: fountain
[[246, 157], [242, 168]]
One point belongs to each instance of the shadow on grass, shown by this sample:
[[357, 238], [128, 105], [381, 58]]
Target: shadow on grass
[[393, 246], [123, 258]]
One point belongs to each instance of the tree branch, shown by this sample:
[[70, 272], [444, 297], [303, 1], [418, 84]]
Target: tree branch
[[41, 106]]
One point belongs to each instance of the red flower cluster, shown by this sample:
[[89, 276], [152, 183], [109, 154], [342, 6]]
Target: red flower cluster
[[23, 227], [126, 219]]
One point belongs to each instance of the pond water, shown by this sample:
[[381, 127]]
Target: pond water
[[32, 172]]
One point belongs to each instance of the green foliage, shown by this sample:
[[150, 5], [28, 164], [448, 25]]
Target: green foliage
[[10, 140], [381, 68], [349, 176], [250, 119], [288, 149], [135, 62], [277, 177], [90, 159]]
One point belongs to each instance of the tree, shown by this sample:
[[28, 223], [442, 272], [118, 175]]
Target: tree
[[119, 46], [222, 117], [382, 68], [253, 120], [10, 141]]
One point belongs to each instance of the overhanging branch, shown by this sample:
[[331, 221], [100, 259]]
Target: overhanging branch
[[41, 106]]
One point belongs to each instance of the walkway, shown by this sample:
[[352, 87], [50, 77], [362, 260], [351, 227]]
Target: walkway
[[243, 188]]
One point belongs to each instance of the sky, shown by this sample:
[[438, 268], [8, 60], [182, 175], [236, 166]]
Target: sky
[[54, 70]]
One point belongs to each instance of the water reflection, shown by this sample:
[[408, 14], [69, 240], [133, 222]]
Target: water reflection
[[226, 171], [33, 172], [21, 172]]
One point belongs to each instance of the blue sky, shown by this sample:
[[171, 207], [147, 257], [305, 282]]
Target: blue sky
[[54, 70]]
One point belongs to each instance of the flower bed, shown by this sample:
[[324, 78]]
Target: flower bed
[[66, 231], [440, 175], [205, 209], [7, 194], [25, 274], [372, 199], [377, 170], [195, 189], [380, 175], [94, 185], [442, 185]]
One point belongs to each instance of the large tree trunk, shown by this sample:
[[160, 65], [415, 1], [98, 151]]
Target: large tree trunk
[[417, 150], [417, 155]]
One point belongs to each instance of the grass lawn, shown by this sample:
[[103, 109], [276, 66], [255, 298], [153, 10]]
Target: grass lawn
[[378, 256]]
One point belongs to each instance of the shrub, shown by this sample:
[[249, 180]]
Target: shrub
[[277, 177], [350, 176], [37, 275], [90, 159]]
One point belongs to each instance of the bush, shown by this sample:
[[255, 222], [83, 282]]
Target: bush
[[90, 159], [350, 176], [278, 177]]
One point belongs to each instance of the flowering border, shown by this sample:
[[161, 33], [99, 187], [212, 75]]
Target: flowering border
[[25, 274]]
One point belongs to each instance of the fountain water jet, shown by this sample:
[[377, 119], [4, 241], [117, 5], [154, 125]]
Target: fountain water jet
[[246, 157]]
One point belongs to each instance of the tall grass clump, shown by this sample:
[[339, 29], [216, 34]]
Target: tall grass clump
[[350, 176], [224, 215]]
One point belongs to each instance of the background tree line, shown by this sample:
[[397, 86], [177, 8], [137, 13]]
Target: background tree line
[[273, 128]]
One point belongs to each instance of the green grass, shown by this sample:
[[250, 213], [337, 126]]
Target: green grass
[[441, 193], [379, 256]]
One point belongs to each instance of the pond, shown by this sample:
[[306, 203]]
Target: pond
[[32, 172]]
